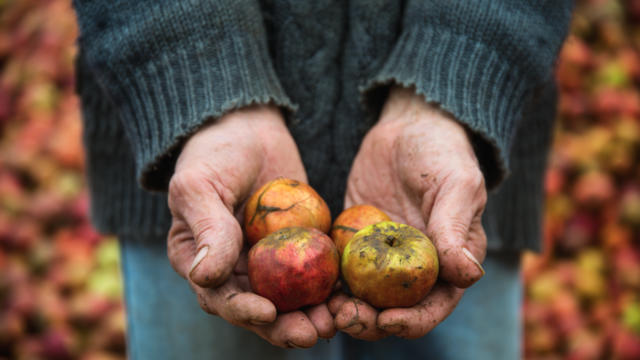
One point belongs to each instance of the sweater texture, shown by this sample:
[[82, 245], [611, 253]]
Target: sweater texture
[[151, 73]]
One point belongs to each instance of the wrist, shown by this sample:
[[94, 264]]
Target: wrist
[[258, 118], [248, 128], [407, 107], [408, 121], [405, 104]]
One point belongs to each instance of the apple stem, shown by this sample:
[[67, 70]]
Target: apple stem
[[391, 240]]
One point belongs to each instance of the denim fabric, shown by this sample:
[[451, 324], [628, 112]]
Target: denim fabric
[[164, 320]]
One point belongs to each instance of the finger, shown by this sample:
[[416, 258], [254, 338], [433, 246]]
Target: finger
[[348, 200], [180, 247], [477, 243], [448, 225], [255, 313], [358, 319], [322, 320], [418, 320], [235, 305], [218, 237], [336, 301], [242, 265], [290, 330], [243, 282]]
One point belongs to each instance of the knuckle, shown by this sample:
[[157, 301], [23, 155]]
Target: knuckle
[[451, 228], [203, 228], [471, 179], [182, 182], [200, 180], [457, 229], [482, 197], [181, 185]]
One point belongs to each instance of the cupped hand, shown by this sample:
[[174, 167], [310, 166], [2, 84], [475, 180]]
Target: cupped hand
[[417, 165], [217, 170]]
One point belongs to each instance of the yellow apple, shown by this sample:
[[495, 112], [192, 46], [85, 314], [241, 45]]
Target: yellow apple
[[390, 265]]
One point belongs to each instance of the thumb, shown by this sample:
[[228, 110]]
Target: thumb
[[201, 204], [449, 224]]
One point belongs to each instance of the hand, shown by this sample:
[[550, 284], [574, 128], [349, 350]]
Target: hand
[[218, 169], [418, 166]]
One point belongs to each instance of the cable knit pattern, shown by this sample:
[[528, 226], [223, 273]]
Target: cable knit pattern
[[372, 30], [165, 68], [310, 73]]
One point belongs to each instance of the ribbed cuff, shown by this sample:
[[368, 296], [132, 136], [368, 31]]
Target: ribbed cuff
[[513, 218], [168, 99], [466, 78], [516, 208], [118, 204]]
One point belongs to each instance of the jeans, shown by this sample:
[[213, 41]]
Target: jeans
[[164, 320]]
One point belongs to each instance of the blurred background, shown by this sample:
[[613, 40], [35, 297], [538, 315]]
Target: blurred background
[[60, 286]]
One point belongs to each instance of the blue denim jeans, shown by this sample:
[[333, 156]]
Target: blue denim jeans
[[164, 320]]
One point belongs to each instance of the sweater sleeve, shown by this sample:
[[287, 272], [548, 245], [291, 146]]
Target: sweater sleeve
[[480, 61], [170, 66]]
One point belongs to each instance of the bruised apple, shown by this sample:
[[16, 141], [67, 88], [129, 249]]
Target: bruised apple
[[390, 265], [353, 220], [294, 267], [283, 203]]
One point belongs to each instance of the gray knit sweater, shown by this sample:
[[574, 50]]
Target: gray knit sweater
[[151, 72]]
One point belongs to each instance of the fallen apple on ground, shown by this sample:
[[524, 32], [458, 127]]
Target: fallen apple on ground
[[390, 265], [353, 220], [282, 203], [294, 267]]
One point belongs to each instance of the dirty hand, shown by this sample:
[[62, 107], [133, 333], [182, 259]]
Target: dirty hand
[[217, 170], [417, 165]]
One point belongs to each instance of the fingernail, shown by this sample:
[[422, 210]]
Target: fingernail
[[201, 254], [258, 322], [473, 259], [292, 345], [354, 328], [393, 329]]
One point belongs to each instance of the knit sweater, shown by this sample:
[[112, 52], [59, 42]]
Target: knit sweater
[[151, 73]]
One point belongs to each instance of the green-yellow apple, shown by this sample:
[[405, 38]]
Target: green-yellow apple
[[390, 265]]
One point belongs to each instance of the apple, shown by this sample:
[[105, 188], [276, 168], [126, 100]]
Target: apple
[[283, 203], [294, 267], [390, 265], [626, 344], [353, 220]]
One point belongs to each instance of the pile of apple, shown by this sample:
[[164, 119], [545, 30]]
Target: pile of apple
[[60, 292], [60, 286], [582, 298], [294, 263]]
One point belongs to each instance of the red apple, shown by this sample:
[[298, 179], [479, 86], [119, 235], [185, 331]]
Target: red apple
[[593, 188], [294, 267], [283, 203], [626, 345]]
